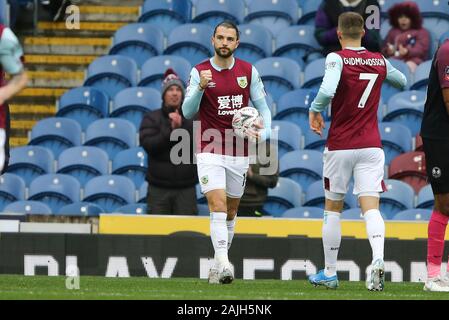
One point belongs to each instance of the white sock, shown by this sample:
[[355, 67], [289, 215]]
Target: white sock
[[219, 237], [331, 241], [231, 226], [375, 228]]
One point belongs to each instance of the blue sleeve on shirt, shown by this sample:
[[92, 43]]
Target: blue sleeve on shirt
[[332, 74], [192, 100]]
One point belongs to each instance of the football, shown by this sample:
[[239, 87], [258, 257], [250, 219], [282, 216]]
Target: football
[[244, 119]]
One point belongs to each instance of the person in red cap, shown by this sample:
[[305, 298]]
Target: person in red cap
[[171, 186]]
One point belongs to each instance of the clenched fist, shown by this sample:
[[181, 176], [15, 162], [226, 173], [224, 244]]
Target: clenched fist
[[205, 78]]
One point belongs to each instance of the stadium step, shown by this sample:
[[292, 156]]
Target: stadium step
[[67, 45], [85, 28], [55, 79], [109, 13]]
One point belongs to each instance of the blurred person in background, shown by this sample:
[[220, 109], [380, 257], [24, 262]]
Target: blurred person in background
[[171, 187], [407, 40]]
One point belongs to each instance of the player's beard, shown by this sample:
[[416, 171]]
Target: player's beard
[[228, 53]]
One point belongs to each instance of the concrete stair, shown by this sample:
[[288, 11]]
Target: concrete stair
[[57, 59]]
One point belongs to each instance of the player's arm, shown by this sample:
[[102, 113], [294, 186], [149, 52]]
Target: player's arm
[[395, 77], [197, 85], [11, 61], [443, 73], [257, 95], [332, 75]]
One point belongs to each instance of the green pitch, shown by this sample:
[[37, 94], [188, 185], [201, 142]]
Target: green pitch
[[43, 287]]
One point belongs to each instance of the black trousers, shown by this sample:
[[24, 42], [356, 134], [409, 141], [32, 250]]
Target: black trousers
[[172, 201], [249, 211]]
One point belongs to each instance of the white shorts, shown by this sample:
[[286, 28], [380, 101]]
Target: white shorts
[[366, 165], [216, 171]]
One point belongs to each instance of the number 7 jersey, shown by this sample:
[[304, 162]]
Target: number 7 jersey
[[356, 99]]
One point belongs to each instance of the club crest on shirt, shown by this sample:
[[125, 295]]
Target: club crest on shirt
[[242, 81], [204, 179], [446, 73]]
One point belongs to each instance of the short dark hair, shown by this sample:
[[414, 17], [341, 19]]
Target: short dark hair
[[230, 25], [351, 24]]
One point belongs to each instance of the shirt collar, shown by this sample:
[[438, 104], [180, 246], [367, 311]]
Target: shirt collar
[[219, 68], [355, 48]]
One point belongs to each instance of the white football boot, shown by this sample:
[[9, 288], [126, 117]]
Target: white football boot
[[214, 276], [376, 279], [436, 285]]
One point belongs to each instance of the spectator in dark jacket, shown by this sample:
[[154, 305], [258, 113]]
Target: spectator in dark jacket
[[407, 40], [326, 21], [256, 190], [171, 187]]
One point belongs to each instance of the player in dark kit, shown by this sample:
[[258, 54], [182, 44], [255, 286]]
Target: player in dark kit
[[11, 56], [435, 135], [353, 81]]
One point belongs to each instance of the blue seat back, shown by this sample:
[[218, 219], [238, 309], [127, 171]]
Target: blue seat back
[[143, 191], [84, 105], [308, 12], [56, 134], [154, 68], [131, 163], [289, 136], [426, 199], [111, 74], [398, 197], [304, 212], [55, 190], [80, 209], [302, 166], [110, 191], [212, 12], [413, 215], [396, 139], [28, 207], [287, 194], [255, 43], [135, 208], [83, 163], [112, 135], [132, 104], [12, 188], [191, 41], [422, 76], [387, 89], [28, 162], [297, 43], [294, 106], [313, 74]]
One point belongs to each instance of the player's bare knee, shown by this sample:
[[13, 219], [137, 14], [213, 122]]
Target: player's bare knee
[[217, 204], [231, 214]]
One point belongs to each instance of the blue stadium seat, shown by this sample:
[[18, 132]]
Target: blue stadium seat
[[83, 163], [279, 75], [56, 134], [12, 188], [135, 208], [435, 15], [131, 163], [289, 136], [4, 16], [138, 41], [255, 43], [191, 41], [407, 108], [315, 142], [304, 212], [398, 197], [110, 192], [422, 76], [308, 12], [385, 27], [153, 70], [313, 74], [28, 207], [298, 43], [143, 191], [315, 196], [203, 210], [413, 215], [111, 74], [80, 209], [443, 37], [276, 14], [302, 166], [396, 139], [166, 14], [29, 162], [200, 198], [286, 195], [84, 105], [426, 199], [212, 12], [294, 107], [385, 5], [387, 89], [132, 104], [352, 214], [56, 190], [112, 135], [270, 104]]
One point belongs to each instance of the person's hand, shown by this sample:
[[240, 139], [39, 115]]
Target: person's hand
[[390, 49], [205, 78], [403, 51], [175, 119], [316, 122], [254, 132]]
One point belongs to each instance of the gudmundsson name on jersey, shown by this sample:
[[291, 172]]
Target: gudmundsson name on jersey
[[363, 62]]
